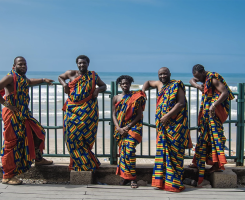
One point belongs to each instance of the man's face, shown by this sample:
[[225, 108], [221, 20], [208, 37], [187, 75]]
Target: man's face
[[20, 66], [201, 77], [125, 85], [82, 65], [164, 75]]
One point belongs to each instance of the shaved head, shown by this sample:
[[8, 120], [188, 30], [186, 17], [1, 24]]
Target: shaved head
[[164, 75], [18, 57], [164, 68]]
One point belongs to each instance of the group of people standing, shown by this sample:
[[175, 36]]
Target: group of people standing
[[24, 136]]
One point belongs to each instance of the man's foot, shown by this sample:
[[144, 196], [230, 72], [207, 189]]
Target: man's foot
[[134, 184], [214, 168], [43, 162], [189, 181], [125, 182], [192, 166], [11, 181]]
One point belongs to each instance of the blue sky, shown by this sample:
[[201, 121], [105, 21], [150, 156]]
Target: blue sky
[[124, 35]]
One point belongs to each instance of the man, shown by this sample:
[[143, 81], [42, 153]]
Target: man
[[81, 114], [23, 135], [128, 118], [172, 132], [213, 112]]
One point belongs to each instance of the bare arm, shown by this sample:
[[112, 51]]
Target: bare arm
[[62, 79], [114, 101], [177, 108], [123, 131], [154, 84], [223, 95], [7, 81], [34, 81], [194, 81], [101, 88]]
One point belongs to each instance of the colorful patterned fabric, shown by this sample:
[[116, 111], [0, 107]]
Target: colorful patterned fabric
[[81, 122], [18, 150], [172, 139], [211, 141], [126, 111]]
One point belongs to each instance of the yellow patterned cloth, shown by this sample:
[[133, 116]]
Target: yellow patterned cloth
[[18, 151], [81, 122], [172, 139], [126, 111]]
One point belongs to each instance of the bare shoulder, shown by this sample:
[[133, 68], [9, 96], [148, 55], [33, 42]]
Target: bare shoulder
[[8, 79], [117, 98]]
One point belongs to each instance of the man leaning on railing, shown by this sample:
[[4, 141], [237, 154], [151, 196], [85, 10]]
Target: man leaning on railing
[[24, 137]]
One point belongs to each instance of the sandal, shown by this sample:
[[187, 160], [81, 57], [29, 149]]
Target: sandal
[[213, 169], [11, 181], [125, 182], [134, 184]]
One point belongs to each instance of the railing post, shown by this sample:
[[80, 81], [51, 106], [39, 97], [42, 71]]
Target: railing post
[[240, 125], [112, 152]]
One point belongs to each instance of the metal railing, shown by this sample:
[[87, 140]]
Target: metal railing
[[47, 101]]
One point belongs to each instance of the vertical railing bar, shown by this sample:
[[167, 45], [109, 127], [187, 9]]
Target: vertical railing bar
[[111, 126], [40, 109], [189, 112], [238, 161], [242, 124], [55, 116], [229, 128], [149, 121], [115, 143], [63, 135], [47, 99], [103, 123], [32, 100]]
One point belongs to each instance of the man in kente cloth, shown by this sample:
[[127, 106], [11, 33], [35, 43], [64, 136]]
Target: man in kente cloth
[[81, 114], [128, 119], [172, 132], [23, 135], [213, 112]]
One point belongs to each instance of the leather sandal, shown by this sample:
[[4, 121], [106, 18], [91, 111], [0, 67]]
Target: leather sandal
[[11, 181], [43, 162]]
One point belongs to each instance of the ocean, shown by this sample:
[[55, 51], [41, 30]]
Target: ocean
[[55, 115]]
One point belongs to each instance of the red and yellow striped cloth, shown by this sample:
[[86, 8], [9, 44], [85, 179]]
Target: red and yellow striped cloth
[[81, 122], [172, 139], [126, 111], [211, 142], [18, 150]]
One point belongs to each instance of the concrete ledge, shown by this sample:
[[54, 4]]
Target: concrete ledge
[[240, 172], [48, 173], [81, 178], [106, 175], [225, 179]]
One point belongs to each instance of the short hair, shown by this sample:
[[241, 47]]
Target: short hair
[[127, 77], [197, 68], [83, 57], [17, 58]]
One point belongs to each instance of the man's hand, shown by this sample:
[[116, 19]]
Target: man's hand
[[48, 81], [201, 88], [164, 120], [212, 110], [123, 131], [13, 109], [67, 89], [96, 93]]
